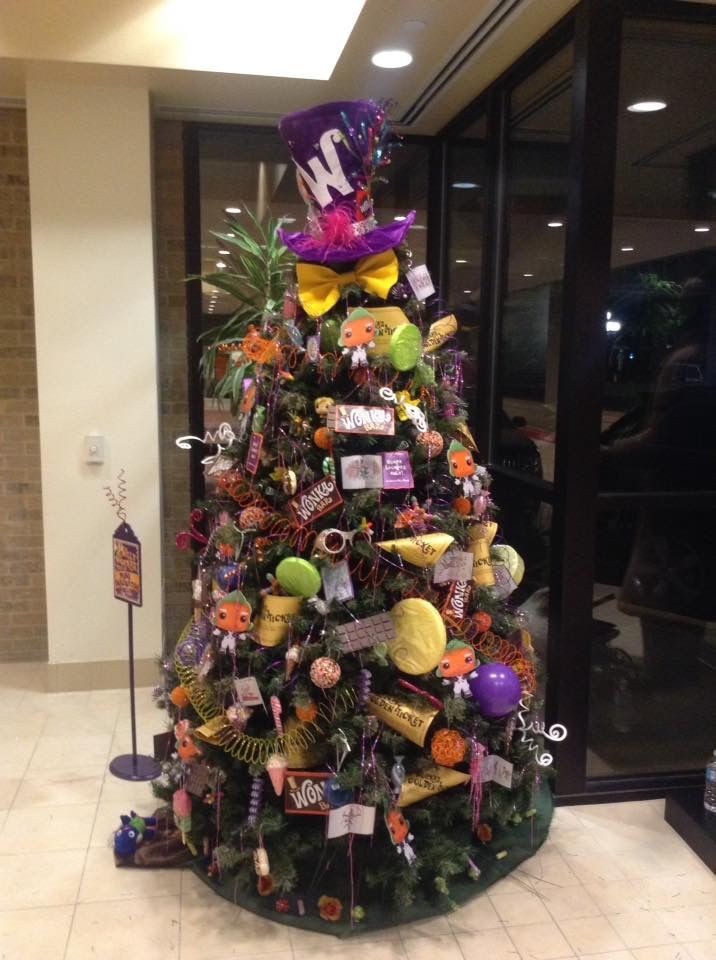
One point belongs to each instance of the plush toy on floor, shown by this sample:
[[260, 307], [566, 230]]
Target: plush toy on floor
[[134, 829]]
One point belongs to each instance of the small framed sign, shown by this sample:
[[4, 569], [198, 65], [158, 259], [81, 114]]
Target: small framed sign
[[127, 565]]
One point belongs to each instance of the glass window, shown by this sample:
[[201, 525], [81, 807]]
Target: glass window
[[653, 678], [466, 207], [539, 134]]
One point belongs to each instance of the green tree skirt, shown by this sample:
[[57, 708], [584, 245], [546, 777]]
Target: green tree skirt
[[517, 842]]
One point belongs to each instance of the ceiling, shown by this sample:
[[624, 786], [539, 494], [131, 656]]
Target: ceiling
[[458, 47]]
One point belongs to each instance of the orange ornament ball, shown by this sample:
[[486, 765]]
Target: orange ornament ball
[[482, 620], [307, 712], [431, 442], [179, 697], [448, 748], [463, 506], [323, 438]]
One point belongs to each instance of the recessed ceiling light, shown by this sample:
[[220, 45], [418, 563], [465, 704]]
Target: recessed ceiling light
[[556, 223], [288, 219], [220, 265], [224, 253], [232, 210], [461, 261], [613, 326], [527, 274], [626, 249], [399, 217], [464, 185], [646, 106], [391, 59], [702, 229], [467, 291]]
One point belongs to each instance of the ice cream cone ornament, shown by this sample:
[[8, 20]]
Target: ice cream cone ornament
[[276, 767]]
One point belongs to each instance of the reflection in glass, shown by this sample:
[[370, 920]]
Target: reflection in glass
[[540, 123], [653, 678], [466, 200]]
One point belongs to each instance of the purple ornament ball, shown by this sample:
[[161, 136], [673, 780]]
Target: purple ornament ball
[[496, 689]]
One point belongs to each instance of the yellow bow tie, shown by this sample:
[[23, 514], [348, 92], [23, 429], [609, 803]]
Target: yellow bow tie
[[319, 288]]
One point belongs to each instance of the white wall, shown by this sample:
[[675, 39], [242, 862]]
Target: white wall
[[93, 269]]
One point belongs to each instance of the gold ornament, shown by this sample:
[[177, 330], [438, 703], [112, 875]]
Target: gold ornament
[[439, 332], [411, 720], [275, 618], [422, 551], [420, 636], [482, 572], [428, 782]]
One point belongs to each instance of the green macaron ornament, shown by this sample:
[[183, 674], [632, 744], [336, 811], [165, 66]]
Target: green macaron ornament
[[298, 577], [406, 347]]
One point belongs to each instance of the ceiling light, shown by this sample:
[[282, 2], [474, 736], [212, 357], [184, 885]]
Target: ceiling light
[[224, 253], [646, 106], [626, 249], [556, 223], [399, 217], [609, 314], [613, 326], [467, 291], [288, 219], [527, 274], [232, 210], [391, 59], [461, 261], [702, 229], [220, 265], [464, 185]]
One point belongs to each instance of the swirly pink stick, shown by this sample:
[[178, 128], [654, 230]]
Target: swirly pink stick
[[276, 710], [421, 693]]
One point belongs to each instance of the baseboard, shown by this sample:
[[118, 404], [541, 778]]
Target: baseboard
[[90, 675]]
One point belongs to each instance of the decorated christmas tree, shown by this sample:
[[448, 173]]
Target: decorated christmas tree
[[354, 699]]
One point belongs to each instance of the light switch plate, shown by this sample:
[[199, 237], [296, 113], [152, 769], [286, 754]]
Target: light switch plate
[[94, 448]]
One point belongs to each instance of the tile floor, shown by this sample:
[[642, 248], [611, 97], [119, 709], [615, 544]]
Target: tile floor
[[613, 882]]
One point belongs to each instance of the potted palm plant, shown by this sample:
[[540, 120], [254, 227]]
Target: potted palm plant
[[256, 279]]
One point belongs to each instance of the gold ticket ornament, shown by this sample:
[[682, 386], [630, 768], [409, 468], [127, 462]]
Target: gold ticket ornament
[[410, 720], [460, 431], [387, 320], [439, 332], [274, 622], [420, 636], [482, 572], [428, 782], [422, 551]]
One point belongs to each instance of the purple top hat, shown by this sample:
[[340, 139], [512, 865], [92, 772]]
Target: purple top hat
[[336, 148]]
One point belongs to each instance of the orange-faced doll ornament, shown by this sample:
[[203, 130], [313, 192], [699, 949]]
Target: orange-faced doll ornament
[[457, 665], [399, 830], [233, 619], [187, 749], [357, 334], [463, 468]]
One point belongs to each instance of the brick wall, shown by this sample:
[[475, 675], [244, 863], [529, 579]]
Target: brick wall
[[173, 405], [23, 621]]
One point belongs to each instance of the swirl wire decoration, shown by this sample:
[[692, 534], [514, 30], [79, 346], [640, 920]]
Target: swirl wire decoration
[[239, 745]]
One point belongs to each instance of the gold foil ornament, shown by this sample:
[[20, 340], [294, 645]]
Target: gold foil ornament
[[428, 782], [482, 572], [422, 551], [274, 622], [387, 320], [410, 720], [439, 332], [420, 636], [460, 431]]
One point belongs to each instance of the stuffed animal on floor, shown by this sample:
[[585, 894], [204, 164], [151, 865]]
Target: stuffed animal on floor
[[133, 831]]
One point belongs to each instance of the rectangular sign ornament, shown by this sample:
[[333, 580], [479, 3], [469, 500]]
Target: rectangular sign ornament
[[127, 565], [311, 503], [369, 421], [303, 793]]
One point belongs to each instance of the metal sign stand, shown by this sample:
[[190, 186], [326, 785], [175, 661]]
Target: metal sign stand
[[127, 575]]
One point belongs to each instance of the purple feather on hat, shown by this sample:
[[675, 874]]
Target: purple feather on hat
[[336, 148]]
